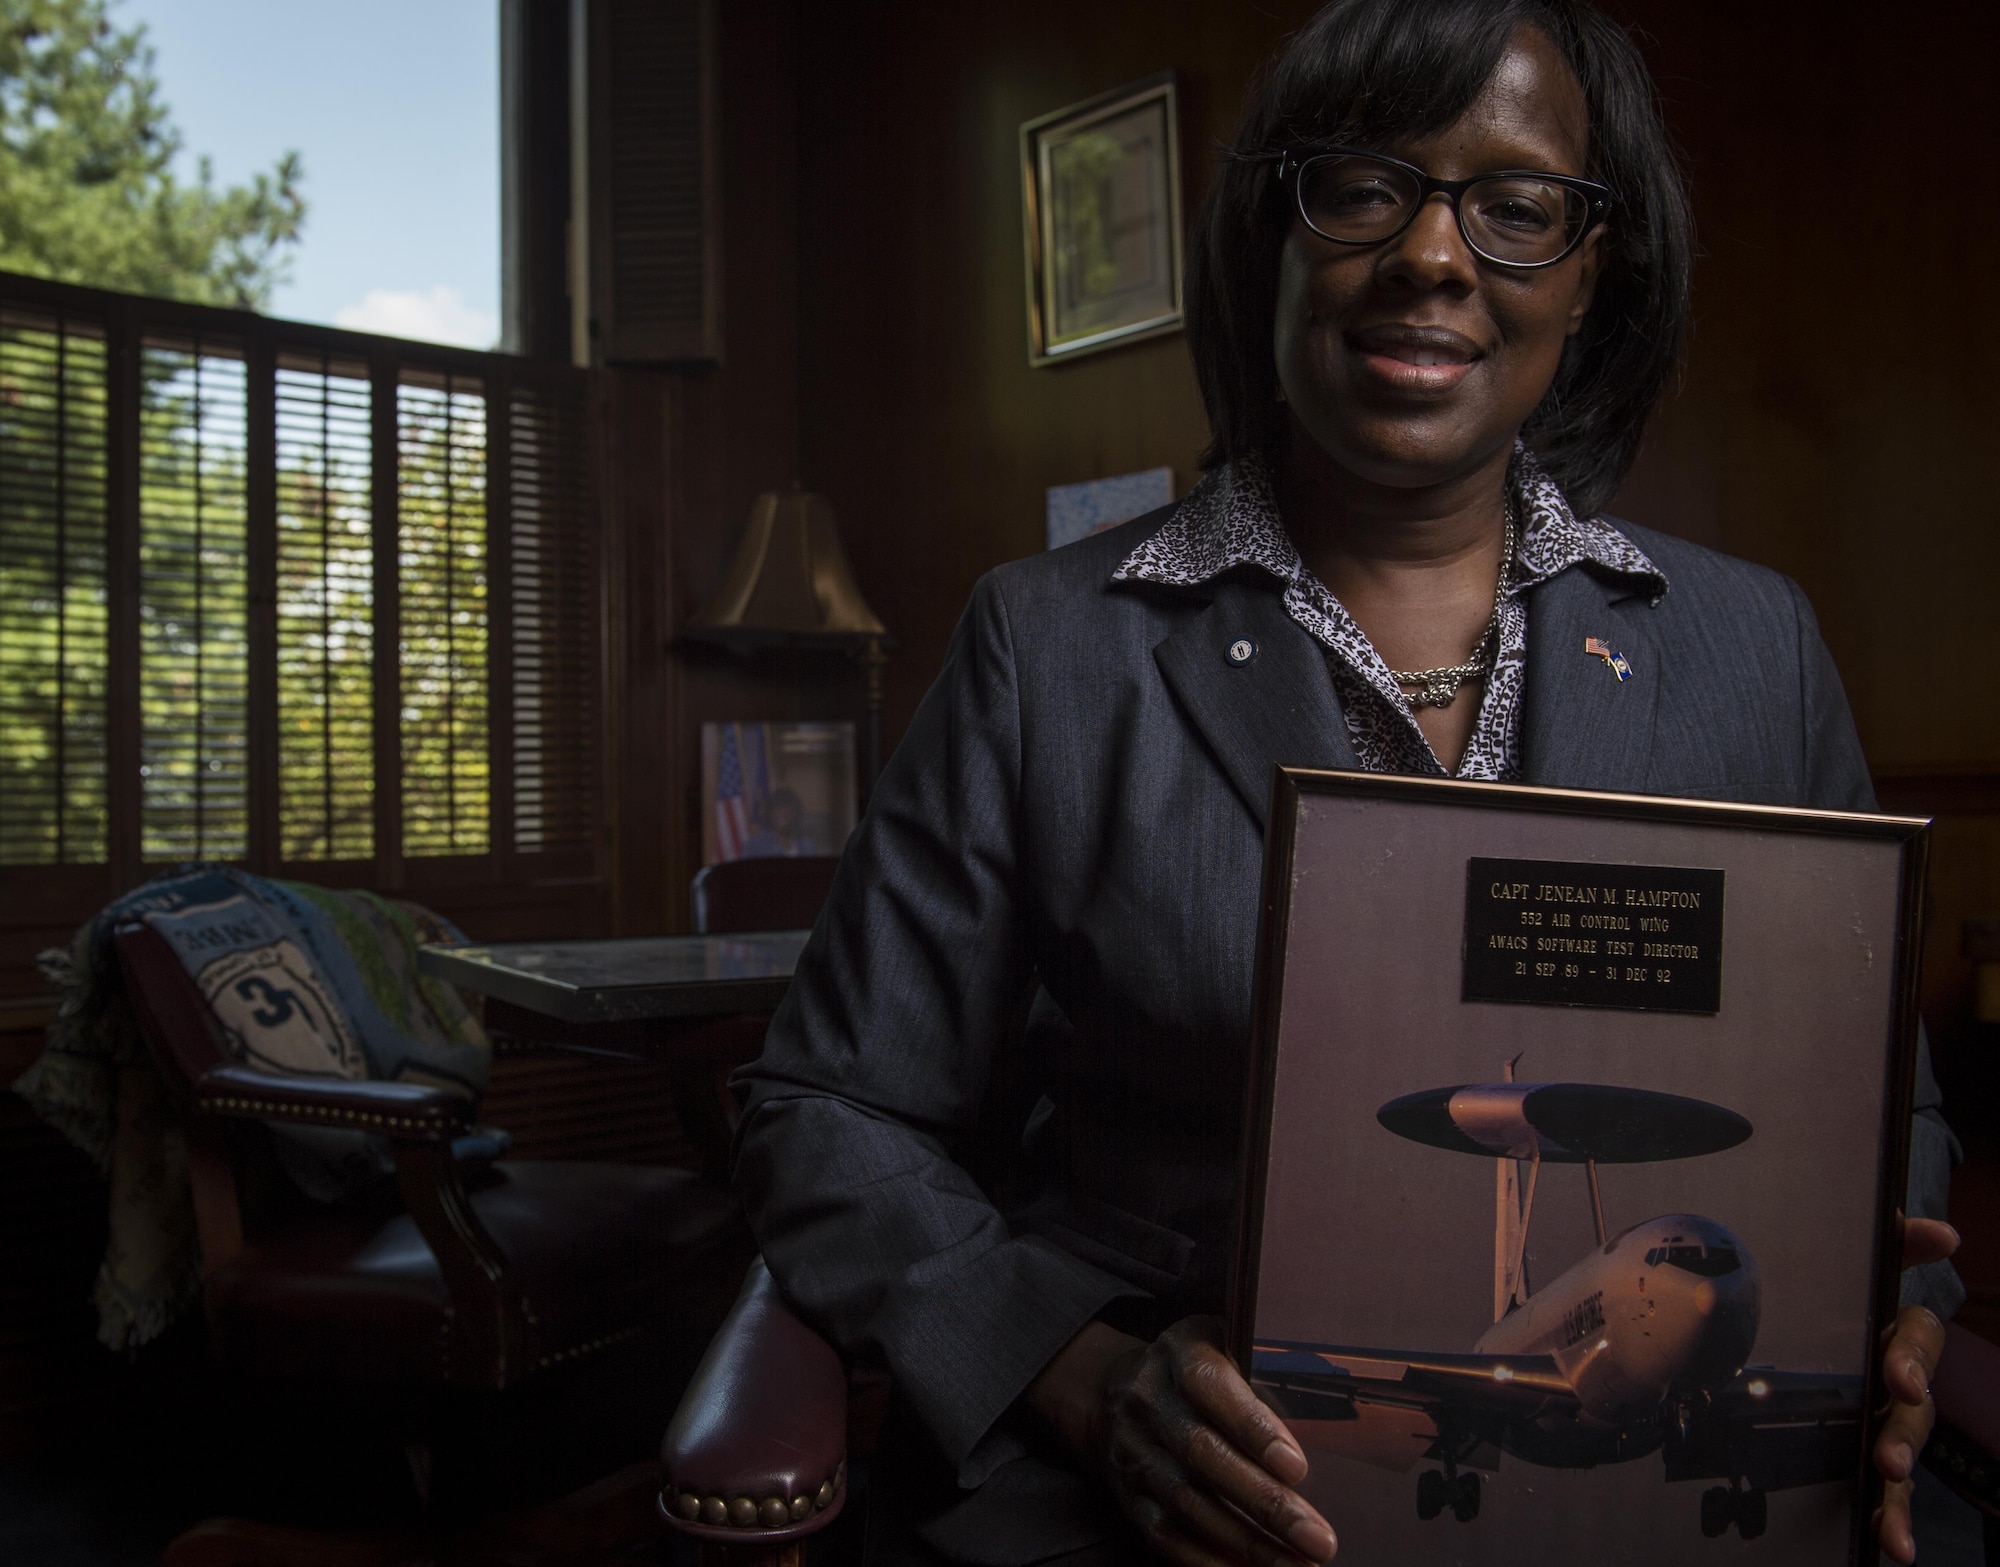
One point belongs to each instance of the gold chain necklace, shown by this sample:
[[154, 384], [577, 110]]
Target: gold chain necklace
[[1439, 687]]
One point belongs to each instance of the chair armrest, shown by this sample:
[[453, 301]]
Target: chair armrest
[[1964, 1449], [401, 1112], [757, 1452]]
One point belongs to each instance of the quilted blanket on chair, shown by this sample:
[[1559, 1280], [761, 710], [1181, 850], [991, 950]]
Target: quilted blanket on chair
[[302, 979]]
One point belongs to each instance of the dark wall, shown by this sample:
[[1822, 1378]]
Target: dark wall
[[1839, 411], [1837, 418], [920, 416], [690, 448]]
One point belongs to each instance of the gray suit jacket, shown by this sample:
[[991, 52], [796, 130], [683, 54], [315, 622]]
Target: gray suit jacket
[[1002, 1094]]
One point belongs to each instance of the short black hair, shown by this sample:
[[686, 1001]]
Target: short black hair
[[1370, 72]]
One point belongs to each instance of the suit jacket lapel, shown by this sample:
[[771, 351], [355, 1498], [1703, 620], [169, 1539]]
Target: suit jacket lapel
[[1278, 707], [1583, 727]]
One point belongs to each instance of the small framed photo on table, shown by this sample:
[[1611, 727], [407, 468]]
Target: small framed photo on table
[[1101, 186], [1577, 1131]]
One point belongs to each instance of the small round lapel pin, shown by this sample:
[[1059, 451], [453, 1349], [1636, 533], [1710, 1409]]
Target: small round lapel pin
[[1241, 651]]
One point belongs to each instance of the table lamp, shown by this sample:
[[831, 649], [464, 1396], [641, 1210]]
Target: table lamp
[[789, 585]]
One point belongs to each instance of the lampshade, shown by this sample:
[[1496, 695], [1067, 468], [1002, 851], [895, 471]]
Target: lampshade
[[790, 581]]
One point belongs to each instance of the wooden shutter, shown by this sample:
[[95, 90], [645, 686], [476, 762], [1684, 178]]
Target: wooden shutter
[[193, 629], [441, 575], [53, 766], [325, 610], [324, 604], [556, 626], [653, 221]]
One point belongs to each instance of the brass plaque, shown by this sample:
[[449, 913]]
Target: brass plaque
[[1566, 934]]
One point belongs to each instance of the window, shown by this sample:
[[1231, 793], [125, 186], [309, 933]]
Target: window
[[441, 553], [194, 652], [52, 590], [290, 597], [326, 621]]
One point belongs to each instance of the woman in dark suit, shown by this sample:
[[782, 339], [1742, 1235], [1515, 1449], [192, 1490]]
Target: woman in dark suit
[[992, 1138]]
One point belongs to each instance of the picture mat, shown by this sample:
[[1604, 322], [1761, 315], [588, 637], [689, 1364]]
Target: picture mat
[[1108, 251], [1101, 222], [1372, 1240]]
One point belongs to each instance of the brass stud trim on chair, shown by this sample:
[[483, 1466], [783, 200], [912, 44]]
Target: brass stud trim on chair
[[407, 1123], [591, 1347], [746, 1512]]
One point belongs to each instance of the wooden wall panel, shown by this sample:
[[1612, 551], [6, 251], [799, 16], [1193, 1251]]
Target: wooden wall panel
[[1837, 415], [1836, 418], [736, 429], [920, 416]]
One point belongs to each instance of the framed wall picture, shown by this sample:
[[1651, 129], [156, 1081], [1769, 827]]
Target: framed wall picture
[[775, 789], [1576, 1137], [1101, 184]]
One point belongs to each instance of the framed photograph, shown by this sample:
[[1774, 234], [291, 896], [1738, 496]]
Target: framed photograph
[[1577, 1130], [771, 788], [1101, 183]]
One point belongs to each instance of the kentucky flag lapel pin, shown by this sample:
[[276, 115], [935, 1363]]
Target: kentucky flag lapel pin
[[1615, 661]]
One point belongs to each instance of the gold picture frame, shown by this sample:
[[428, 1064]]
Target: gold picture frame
[[1101, 205], [1718, 1003]]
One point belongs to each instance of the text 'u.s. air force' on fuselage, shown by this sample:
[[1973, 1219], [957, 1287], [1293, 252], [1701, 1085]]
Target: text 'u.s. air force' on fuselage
[[1642, 1346]]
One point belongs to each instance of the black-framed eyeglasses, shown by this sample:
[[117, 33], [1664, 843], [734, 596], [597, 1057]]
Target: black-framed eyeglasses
[[1522, 218]]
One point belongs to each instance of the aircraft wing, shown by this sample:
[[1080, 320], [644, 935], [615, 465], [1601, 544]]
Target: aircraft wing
[[1774, 1429], [1392, 1408]]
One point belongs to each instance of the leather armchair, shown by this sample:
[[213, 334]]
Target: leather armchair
[[475, 1284], [757, 1452], [756, 1455]]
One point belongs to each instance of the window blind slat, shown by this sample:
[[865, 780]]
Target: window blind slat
[[183, 597], [52, 591], [441, 561], [193, 647], [554, 545], [326, 640]]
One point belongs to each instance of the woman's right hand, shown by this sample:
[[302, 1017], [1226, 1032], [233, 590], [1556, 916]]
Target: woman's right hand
[[1202, 1468]]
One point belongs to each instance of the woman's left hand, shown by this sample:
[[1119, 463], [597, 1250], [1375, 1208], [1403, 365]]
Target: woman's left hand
[[1908, 1364]]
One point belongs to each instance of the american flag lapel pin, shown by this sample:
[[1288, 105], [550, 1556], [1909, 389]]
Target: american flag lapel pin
[[1614, 660]]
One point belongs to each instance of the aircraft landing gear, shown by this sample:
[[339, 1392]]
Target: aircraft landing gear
[[1724, 1505], [1437, 1490]]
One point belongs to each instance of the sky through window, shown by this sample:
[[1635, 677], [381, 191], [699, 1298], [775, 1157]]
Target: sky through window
[[394, 109]]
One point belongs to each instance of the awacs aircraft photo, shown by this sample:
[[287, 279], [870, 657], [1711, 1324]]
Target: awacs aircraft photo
[[1642, 1346]]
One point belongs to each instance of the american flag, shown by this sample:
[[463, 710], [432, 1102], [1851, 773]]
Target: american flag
[[732, 805], [1603, 650]]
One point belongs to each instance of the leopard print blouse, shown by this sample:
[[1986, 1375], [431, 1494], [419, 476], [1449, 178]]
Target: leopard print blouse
[[1231, 519]]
